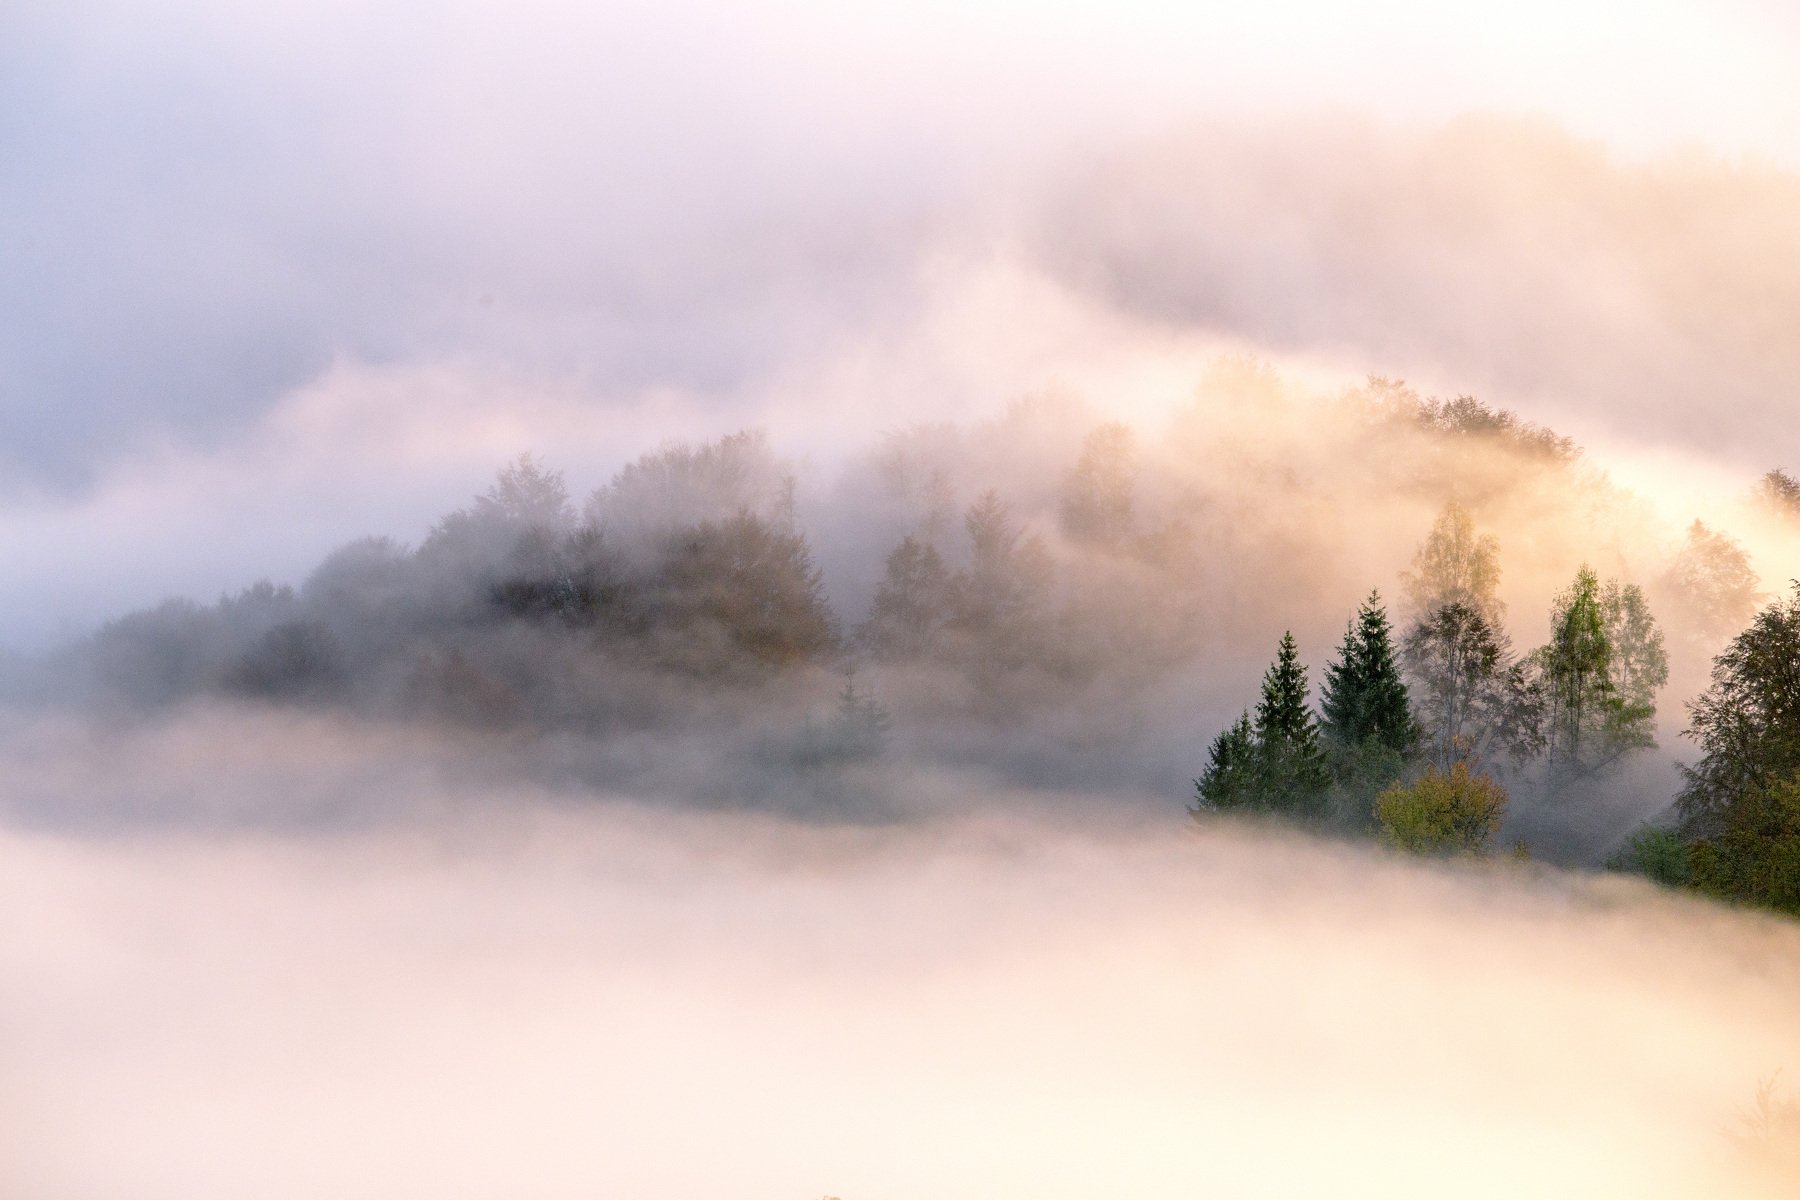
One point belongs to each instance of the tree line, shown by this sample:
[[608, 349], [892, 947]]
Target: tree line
[[1041, 594], [1413, 736]]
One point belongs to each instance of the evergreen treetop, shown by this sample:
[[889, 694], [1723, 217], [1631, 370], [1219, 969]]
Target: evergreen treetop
[[1281, 715], [1363, 698], [1230, 778], [1293, 776]]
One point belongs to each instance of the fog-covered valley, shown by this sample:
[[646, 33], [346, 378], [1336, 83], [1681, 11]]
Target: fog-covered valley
[[911, 602]]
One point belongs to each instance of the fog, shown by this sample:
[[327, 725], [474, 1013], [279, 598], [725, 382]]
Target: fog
[[548, 227], [517, 992], [1128, 323], [629, 600]]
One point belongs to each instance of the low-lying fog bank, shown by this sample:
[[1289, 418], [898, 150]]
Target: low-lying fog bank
[[521, 998]]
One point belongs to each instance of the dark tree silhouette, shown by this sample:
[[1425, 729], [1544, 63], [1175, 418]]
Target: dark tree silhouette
[[1231, 777], [1362, 699], [1291, 761]]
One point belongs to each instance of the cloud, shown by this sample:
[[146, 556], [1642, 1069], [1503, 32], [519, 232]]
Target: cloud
[[1611, 298], [209, 207]]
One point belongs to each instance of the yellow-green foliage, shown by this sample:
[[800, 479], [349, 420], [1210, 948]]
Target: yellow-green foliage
[[1442, 814]]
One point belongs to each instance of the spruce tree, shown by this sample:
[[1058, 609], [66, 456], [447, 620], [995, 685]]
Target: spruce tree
[[1363, 699], [1343, 690], [911, 604], [1367, 724], [1387, 708], [1291, 762], [1230, 779]]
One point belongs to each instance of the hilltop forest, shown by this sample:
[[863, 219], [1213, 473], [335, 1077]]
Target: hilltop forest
[[1373, 615]]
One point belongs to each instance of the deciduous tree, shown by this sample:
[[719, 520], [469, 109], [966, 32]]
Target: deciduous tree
[[1601, 668], [1475, 700], [1747, 722], [1455, 565], [1714, 584]]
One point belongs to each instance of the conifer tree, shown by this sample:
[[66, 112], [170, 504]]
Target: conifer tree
[[1291, 762], [1363, 700], [1230, 778], [911, 603], [1273, 761], [1341, 692]]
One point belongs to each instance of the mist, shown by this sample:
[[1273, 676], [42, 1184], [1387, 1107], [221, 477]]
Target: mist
[[1599, 293], [649, 600], [519, 996]]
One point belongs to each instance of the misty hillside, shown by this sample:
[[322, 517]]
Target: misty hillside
[[1043, 598], [979, 601]]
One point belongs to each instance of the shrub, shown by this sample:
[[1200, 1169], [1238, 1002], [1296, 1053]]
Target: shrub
[[1455, 813]]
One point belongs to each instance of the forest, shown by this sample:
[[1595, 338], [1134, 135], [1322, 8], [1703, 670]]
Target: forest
[[1057, 599]]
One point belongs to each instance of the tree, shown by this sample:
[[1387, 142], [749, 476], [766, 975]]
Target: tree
[[912, 602], [1747, 722], [1659, 855], [680, 486], [1455, 565], [1366, 723], [509, 533], [292, 661], [1474, 698], [1602, 667], [1467, 417], [861, 725], [741, 592], [856, 733], [1097, 497], [1454, 813], [1714, 584], [1779, 492], [1638, 666], [1576, 663], [998, 602], [527, 496], [1271, 762], [1230, 779], [1754, 858], [1363, 700], [578, 578], [1291, 763]]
